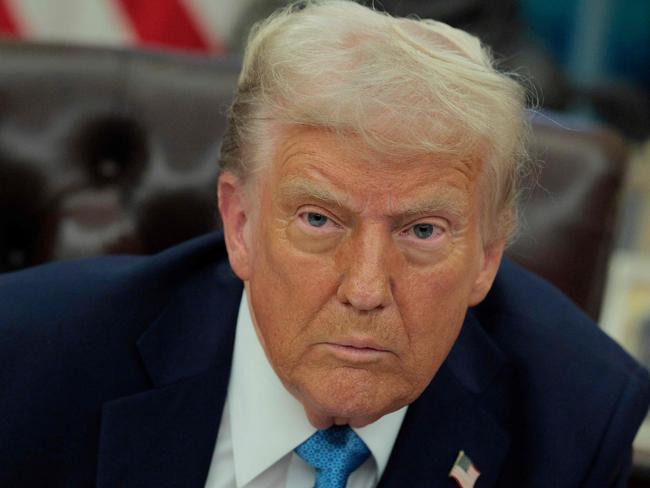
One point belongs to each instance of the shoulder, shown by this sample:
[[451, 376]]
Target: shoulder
[[578, 394], [92, 310], [56, 296], [68, 334], [532, 321]]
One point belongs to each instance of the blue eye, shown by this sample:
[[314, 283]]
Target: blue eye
[[316, 219], [423, 231]]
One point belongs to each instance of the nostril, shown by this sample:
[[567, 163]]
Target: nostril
[[363, 297]]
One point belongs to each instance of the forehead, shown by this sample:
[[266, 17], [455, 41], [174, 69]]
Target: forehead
[[313, 157]]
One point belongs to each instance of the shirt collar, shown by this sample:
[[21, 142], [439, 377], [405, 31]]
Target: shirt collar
[[267, 422]]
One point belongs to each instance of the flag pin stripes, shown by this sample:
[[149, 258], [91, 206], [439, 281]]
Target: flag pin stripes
[[463, 471]]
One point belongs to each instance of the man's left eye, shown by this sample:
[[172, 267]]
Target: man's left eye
[[316, 219], [425, 231]]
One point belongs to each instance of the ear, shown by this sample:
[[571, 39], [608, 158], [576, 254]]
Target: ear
[[234, 207], [491, 259]]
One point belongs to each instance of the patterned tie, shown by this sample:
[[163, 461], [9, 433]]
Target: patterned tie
[[335, 453]]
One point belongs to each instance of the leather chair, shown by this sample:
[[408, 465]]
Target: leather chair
[[114, 151], [570, 210]]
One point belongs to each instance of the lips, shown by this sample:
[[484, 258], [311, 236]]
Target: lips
[[359, 343], [356, 350]]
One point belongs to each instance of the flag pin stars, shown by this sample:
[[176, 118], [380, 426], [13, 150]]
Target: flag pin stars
[[464, 471]]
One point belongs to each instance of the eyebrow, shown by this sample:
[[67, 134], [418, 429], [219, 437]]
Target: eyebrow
[[442, 201], [303, 188]]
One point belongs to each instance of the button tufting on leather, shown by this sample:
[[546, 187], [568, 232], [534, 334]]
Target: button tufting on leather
[[113, 150]]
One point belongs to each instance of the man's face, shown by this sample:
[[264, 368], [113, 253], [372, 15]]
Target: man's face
[[359, 269]]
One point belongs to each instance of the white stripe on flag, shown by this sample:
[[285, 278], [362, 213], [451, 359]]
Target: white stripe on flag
[[464, 479], [78, 21], [464, 471]]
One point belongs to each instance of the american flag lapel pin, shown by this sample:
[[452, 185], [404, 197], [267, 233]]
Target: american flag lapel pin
[[464, 471]]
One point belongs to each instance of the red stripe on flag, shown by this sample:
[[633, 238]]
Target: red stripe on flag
[[8, 24], [166, 23]]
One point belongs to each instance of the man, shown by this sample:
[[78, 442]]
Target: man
[[333, 334]]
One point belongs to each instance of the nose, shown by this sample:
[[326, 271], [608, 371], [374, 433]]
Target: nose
[[366, 282]]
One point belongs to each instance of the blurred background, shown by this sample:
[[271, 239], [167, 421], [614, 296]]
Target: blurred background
[[588, 57], [111, 113]]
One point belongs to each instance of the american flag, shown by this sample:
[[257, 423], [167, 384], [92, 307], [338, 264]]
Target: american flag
[[464, 471], [202, 26]]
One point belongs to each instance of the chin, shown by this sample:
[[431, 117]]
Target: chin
[[352, 393]]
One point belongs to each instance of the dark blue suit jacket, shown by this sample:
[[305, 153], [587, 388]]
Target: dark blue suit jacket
[[114, 371]]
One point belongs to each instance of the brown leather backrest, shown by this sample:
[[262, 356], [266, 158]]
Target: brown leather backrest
[[569, 216], [106, 151], [114, 151]]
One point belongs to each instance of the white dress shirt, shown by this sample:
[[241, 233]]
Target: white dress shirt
[[262, 423]]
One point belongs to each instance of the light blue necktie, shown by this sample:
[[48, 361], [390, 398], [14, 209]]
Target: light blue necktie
[[335, 453]]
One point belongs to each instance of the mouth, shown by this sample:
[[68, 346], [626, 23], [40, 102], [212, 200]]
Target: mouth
[[356, 350]]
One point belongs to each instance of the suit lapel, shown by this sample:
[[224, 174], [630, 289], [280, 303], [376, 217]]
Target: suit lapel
[[165, 436], [452, 415]]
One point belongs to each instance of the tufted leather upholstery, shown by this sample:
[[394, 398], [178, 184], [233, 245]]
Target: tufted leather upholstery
[[106, 151], [113, 151]]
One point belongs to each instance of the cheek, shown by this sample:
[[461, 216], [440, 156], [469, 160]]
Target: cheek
[[295, 272], [291, 272], [288, 288], [433, 304]]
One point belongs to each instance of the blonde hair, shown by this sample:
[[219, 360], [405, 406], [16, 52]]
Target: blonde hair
[[407, 86]]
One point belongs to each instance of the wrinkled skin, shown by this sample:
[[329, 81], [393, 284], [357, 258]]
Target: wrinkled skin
[[359, 268]]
